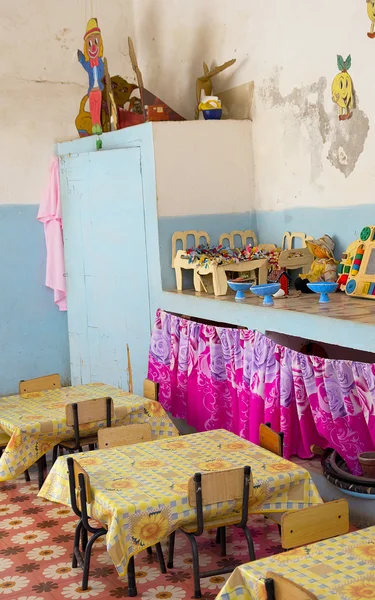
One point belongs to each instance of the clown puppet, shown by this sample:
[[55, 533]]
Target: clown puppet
[[92, 61]]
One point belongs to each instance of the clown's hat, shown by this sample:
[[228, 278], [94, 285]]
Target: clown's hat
[[92, 27]]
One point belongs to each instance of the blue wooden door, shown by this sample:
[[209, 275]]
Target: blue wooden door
[[106, 266]]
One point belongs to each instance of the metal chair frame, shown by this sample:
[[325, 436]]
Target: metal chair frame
[[82, 558], [198, 575], [79, 442]]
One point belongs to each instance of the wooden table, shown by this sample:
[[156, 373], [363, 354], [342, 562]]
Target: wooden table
[[36, 421], [140, 491], [340, 568]]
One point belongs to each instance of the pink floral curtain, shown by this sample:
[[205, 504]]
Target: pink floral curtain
[[218, 377]]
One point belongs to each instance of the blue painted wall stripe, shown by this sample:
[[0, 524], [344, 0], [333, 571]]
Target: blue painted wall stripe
[[33, 332]]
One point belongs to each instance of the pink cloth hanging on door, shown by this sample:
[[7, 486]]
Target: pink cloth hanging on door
[[50, 215]]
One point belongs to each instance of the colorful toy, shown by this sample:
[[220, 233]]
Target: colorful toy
[[204, 83], [284, 280], [342, 88], [323, 267], [92, 61], [371, 14], [345, 265], [361, 276]]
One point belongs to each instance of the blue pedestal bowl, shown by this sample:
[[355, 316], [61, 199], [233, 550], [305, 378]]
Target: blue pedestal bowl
[[267, 290], [240, 288], [323, 288]]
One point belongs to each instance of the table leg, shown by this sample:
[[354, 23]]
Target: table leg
[[132, 585], [41, 466]]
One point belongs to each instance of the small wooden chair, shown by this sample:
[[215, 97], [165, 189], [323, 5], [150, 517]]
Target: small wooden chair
[[212, 488], [150, 390], [315, 523], [280, 588], [40, 384], [270, 439], [124, 435], [274, 442], [302, 527], [79, 413], [80, 497]]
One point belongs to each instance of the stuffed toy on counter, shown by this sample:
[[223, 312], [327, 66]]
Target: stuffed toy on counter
[[323, 267]]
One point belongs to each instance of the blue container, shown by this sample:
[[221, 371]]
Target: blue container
[[267, 290], [323, 288], [240, 287], [212, 113]]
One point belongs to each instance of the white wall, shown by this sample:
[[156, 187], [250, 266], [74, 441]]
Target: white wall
[[42, 82], [203, 168], [289, 49]]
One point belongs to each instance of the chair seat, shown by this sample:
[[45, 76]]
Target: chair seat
[[191, 528], [4, 439], [83, 441]]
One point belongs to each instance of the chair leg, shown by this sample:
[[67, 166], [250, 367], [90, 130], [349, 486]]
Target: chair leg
[[54, 454], [86, 562], [279, 528], [223, 541], [217, 540], [77, 537], [132, 585], [270, 589], [250, 543], [197, 583], [27, 475], [172, 538], [149, 550], [84, 539], [160, 554]]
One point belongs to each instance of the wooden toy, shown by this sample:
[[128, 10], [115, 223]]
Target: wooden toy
[[345, 265], [324, 266], [204, 83], [291, 258], [91, 60], [361, 277], [154, 109]]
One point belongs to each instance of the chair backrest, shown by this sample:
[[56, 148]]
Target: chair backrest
[[313, 524], [39, 384], [288, 238], [183, 237], [218, 486], [75, 470], [280, 588], [89, 411], [270, 439], [111, 437], [150, 389], [244, 235]]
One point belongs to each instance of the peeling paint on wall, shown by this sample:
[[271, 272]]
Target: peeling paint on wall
[[307, 112], [347, 141]]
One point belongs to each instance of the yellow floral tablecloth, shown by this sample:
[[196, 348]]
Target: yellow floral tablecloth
[[140, 491], [341, 568], [36, 421]]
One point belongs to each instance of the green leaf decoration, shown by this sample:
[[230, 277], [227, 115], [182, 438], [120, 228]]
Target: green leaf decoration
[[340, 63], [348, 63]]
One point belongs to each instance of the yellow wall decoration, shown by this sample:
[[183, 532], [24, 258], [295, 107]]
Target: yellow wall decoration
[[342, 88]]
